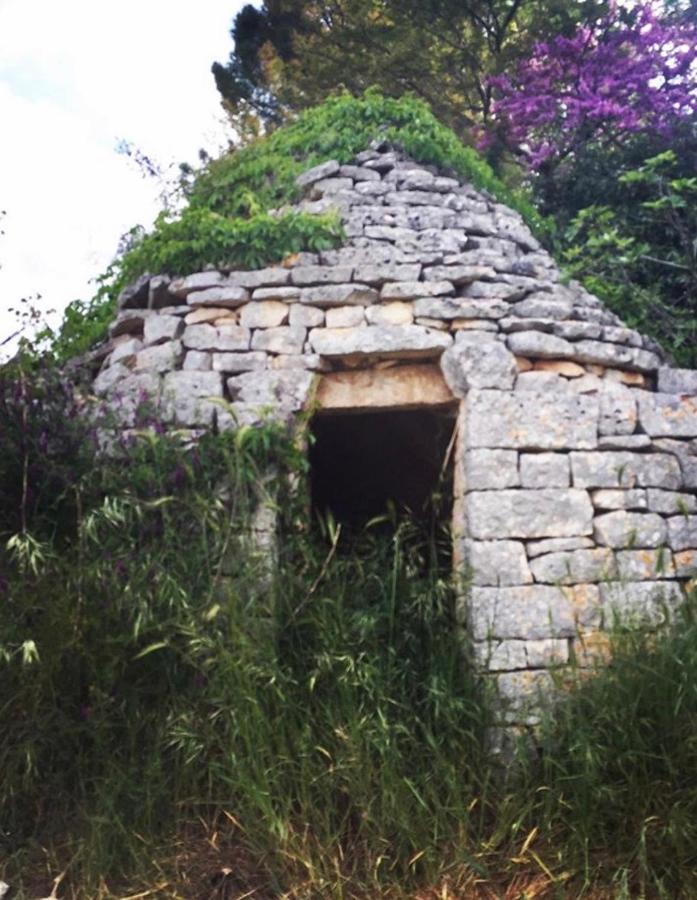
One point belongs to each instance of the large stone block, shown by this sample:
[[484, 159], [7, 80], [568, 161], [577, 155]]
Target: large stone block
[[556, 545], [685, 563], [339, 295], [606, 354], [159, 358], [226, 295], [682, 532], [274, 277], [133, 394], [478, 365], [668, 415], [536, 344], [619, 498], [200, 281], [409, 290], [509, 655], [400, 387], [280, 340], [345, 316], [685, 452], [286, 389], [528, 514], [671, 503], [641, 604], [105, 382], [407, 341], [617, 468], [460, 308], [306, 275], [531, 612], [158, 329], [317, 173], [621, 529], [618, 412], [238, 362], [491, 469], [229, 339], [544, 470], [645, 565], [395, 313], [264, 314], [531, 421], [188, 397], [677, 381], [497, 563], [379, 274], [574, 566]]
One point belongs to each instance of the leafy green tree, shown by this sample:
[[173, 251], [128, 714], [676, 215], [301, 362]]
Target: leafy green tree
[[289, 55], [640, 254]]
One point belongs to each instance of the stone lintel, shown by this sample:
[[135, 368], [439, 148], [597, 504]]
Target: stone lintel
[[401, 387]]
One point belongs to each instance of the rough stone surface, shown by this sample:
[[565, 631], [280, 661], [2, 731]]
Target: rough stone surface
[[238, 362], [645, 565], [682, 532], [627, 530], [668, 415], [497, 562], [544, 470], [264, 314], [188, 397], [279, 340], [530, 420], [408, 341], [642, 604], [339, 295], [531, 612], [159, 358], [574, 566], [529, 514], [618, 412], [617, 498], [207, 337], [491, 469], [677, 381], [226, 295], [487, 365], [158, 329], [613, 469], [402, 387], [555, 545]]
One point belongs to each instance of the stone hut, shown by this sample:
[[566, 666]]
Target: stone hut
[[442, 331]]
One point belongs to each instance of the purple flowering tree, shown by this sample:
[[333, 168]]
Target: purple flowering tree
[[632, 73]]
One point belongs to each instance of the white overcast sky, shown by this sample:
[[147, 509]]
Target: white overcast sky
[[76, 76]]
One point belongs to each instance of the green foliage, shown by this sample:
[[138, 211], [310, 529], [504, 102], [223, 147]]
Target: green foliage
[[289, 55], [639, 255], [203, 236], [156, 670], [264, 172], [227, 220], [621, 762]]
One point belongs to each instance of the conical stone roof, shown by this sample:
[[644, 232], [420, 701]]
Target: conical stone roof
[[428, 263]]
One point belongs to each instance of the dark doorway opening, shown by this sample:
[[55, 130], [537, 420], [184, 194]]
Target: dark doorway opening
[[392, 464]]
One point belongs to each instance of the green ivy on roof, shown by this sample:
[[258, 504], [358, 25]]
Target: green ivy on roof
[[226, 220]]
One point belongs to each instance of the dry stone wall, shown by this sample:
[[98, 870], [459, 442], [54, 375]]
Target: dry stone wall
[[576, 463]]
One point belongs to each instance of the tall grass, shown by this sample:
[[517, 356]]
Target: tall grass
[[316, 716]]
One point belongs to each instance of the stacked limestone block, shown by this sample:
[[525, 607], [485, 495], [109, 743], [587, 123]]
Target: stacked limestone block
[[577, 451]]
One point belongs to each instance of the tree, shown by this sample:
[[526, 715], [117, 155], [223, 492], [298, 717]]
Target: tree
[[629, 75], [289, 55]]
